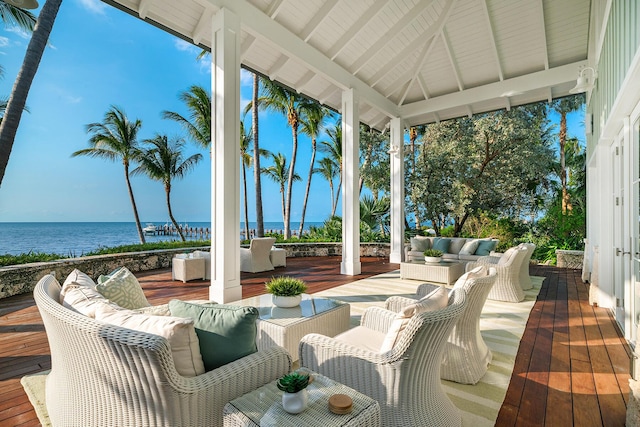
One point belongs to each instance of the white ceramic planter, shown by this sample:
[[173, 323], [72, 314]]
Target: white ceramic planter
[[294, 403], [432, 259], [286, 302]]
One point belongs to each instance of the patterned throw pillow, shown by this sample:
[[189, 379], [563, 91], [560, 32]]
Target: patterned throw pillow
[[436, 300], [76, 277], [123, 289]]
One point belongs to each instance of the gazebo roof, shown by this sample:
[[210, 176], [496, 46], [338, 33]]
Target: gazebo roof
[[423, 60]]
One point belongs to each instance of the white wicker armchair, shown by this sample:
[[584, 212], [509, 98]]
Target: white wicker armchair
[[405, 380], [525, 278], [105, 375], [466, 355], [256, 258], [508, 266]]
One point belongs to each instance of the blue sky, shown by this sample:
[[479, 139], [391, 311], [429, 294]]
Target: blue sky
[[98, 57]]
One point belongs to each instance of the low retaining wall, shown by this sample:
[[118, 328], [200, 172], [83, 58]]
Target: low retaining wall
[[569, 259], [21, 279]]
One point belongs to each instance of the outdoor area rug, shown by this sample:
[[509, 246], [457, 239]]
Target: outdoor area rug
[[34, 387], [502, 325]]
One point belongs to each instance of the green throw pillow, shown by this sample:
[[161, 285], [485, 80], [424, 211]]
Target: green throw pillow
[[441, 244], [485, 247], [226, 332]]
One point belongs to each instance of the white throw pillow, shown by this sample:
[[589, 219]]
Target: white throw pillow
[[124, 289], [79, 278], [470, 247], [474, 273], [180, 333], [436, 300], [420, 243], [83, 299]]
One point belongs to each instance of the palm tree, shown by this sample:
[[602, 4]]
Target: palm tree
[[164, 162], [198, 125], [278, 174], [333, 148], [246, 137], [375, 212], [256, 157], [18, 98], [328, 170], [564, 106], [17, 17], [116, 138], [291, 105], [312, 124]]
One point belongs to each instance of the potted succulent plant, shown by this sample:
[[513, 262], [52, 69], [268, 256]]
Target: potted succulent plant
[[295, 397], [432, 256], [286, 291]]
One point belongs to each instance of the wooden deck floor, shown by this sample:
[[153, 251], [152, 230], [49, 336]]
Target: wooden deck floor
[[572, 367]]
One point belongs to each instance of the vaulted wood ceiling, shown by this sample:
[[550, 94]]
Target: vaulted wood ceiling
[[423, 60]]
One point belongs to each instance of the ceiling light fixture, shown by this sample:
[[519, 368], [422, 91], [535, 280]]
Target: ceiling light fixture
[[23, 4], [584, 83]]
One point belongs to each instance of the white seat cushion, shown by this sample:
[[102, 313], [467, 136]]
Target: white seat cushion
[[362, 337]]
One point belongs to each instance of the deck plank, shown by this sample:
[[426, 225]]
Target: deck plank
[[555, 381]]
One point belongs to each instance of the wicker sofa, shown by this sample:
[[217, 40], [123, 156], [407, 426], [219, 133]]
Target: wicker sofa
[[455, 249], [106, 375]]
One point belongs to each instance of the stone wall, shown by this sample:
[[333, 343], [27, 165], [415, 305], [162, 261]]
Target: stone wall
[[20, 279], [569, 259]]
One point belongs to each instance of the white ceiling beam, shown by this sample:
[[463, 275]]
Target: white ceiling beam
[[389, 35], [411, 73], [418, 66], [492, 36], [326, 94], [319, 16], [246, 44], [143, 8], [543, 32], [274, 9], [198, 32], [469, 111], [507, 103], [423, 87], [300, 84], [549, 95], [356, 28], [534, 81], [452, 60], [277, 66], [414, 45], [256, 23]]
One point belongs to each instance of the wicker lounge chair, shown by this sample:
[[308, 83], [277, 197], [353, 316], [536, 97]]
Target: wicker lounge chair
[[256, 258], [406, 379], [466, 355], [106, 375], [508, 266]]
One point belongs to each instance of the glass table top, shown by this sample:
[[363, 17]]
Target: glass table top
[[309, 306]]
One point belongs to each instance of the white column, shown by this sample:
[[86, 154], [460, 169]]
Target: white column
[[350, 189], [225, 176], [396, 163]]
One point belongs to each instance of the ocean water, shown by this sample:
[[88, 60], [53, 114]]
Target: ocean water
[[78, 238]]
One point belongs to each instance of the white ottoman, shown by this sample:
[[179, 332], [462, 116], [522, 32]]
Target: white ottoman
[[278, 257]]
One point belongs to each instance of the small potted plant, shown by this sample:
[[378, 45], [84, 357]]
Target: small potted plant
[[286, 291], [295, 397], [432, 256]]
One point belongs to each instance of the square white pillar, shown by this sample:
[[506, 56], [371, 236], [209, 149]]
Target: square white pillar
[[350, 189], [396, 163], [225, 176]]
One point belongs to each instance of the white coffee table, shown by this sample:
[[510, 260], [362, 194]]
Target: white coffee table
[[263, 407], [285, 327], [442, 272]]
